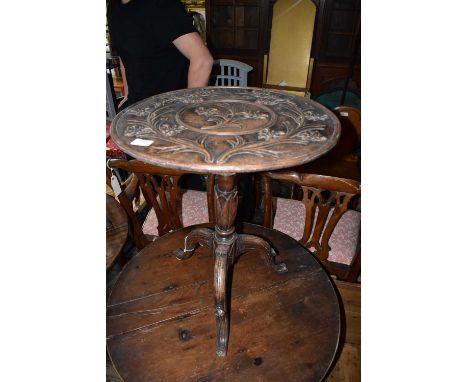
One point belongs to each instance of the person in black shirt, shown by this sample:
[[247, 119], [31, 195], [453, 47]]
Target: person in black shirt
[[158, 46]]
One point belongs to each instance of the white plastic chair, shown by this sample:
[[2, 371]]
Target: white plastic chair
[[233, 73]]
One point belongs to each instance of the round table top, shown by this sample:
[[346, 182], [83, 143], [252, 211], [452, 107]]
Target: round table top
[[161, 322], [116, 230], [225, 130]]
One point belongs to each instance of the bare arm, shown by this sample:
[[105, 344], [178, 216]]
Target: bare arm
[[125, 86], [191, 46]]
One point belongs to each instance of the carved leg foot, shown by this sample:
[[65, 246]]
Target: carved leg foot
[[221, 314], [223, 260], [199, 236], [250, 242]]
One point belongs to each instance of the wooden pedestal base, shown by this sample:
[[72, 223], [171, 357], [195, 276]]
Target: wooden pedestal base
[[226, 246]]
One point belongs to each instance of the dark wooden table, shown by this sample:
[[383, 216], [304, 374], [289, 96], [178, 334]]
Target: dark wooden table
[[284, 327], [116, 230], [225, 131]]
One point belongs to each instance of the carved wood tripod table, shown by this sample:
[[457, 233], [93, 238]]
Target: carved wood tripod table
[[225, 131]]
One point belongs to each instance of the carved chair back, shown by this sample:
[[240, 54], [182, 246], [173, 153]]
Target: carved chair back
[[326, 199], [162, 192]]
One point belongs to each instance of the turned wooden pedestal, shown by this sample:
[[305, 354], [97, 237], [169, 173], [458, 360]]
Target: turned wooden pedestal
[[226, 246], [225, 131]]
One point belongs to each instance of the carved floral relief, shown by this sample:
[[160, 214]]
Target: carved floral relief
[[217, 124]]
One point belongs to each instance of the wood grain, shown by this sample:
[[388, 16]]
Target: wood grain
[[162, 191], [284, 327], [326, 199], [225, 130], [348, 365], [116, 230]]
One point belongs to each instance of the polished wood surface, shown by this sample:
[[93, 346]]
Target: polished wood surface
[[351, 117], [347, 364], [284, 327], [225, 130], [326, 199], [343, 160], [116, 230], [347, 367]]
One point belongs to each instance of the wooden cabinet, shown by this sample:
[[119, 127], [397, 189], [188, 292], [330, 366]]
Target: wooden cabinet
[[236, 26], [336, 41], [241, 29], [328, 76], [337, 30], [236, 29]]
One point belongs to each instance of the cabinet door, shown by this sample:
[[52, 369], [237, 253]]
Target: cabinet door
[[340, 26], [235, 25], [236, 30]]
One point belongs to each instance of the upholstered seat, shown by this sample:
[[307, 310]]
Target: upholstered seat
[[327, 219], [170, 206], [290, 219], [194, 211]]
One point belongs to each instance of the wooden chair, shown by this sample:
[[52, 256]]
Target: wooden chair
[[351, 115], [326, 221], [171, 207], [350, 119]]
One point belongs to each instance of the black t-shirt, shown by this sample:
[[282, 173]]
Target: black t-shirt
[[141, 33]]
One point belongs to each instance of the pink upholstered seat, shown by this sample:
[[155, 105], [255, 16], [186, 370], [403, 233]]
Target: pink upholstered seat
[[194, 211], [290, 219]]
